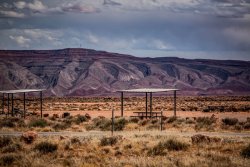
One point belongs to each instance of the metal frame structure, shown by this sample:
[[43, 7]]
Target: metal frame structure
[[24, 91], [146, 91]]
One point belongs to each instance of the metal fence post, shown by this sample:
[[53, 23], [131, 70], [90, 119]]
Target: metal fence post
[[8, 104], [112, 128], [175, 103], [3, 105], [24, 112], [122, 104], [12, 105], [41, 101], [161, 120]]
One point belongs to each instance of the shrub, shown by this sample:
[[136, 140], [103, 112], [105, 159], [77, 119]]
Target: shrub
[[66, 114], [12, 148], [159, 149], [5, 141], [89, 127], [134, 120], [152, 126], [170, 144], [80, 118], [75, 140], [190, 121], [68, 120], [105, 124], [230, 121], [245, 152], [119, 124], [175, 145], [143, 122], [60, 126], [102, 123], [247, 125], [7, 123], [154, 121], [206, 120], [46, 147], [171, 119], [105, 141], [7, 159], [87, 116], [38, 123]]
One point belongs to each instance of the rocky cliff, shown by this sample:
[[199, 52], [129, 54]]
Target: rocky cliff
[[84, 72]]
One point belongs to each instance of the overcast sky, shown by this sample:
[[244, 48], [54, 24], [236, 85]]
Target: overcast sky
[[210, 29]]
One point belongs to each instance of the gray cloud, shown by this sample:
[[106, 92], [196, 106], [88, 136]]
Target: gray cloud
[[110, 2], [151, 28], [12, 14]]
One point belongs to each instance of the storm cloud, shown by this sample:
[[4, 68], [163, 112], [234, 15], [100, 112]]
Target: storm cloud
[[185, 28]]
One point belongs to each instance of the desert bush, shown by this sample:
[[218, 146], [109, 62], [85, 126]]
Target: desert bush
[[170, 144], [75, 140], [154, 121], [119, 124], [68, 120], [87, 116], [245, 152], [134, 120], [46, 147], [230, 121], [175, 145], [60, 126], [38, 123], [158, 149], [238, 127], [171, 119], [8, 159], [102, 123], [105, 124], [118, 153], [21, 123], [206, 120], [189, 121], [7, 123], [153, 126], [89, 127], [105, 141], [246, 125], [128, 146], [206, 110], [12, 148], [66, 114], [180, 120], [80, 118], [143, 122], [5, 141]]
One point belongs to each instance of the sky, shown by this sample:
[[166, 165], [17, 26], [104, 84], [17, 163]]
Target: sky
[[207, 29]]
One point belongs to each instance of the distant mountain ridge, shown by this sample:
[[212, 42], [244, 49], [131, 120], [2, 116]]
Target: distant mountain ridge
[[86, 72]]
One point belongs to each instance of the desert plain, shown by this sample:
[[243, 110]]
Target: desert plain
[[207, 131]]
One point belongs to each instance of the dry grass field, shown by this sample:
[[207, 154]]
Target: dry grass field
[[148, 147], [125, 150]]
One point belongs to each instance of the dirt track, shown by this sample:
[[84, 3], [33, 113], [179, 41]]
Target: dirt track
[[132, 133]]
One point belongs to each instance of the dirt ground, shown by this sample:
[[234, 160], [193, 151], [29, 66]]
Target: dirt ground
[[221, 106], [242, 116]]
